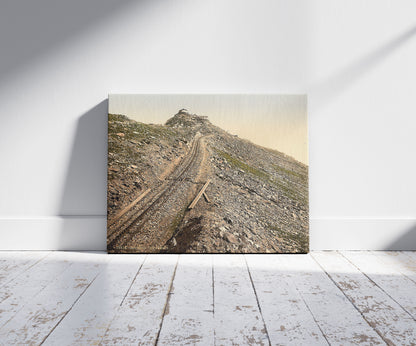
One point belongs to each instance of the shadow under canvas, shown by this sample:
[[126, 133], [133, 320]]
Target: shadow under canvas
[[83, 202]]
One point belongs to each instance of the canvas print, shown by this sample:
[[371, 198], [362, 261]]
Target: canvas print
[[207, 174]]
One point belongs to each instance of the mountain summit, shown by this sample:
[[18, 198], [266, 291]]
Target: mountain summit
[[186, 119]]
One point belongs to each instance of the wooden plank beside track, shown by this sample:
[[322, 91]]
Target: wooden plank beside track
[[126, 209], [198, 196]]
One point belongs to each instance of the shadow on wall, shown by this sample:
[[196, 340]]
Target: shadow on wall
[[328, 89], [25, 27], [83, 202], [325, 91], [407, 242]]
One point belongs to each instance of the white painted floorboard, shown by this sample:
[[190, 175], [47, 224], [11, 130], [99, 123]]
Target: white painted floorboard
[[336, 298], [398, 287], [42, 313], [385, 315], [287, 317], [89, 319], [338, 319], [139, 317], [12, 264], [189, 315], [15, 294], [238, 320], [399, 262]]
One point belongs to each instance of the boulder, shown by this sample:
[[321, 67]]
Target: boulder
[[231, 238]]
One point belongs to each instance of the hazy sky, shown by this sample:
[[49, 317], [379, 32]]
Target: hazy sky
[[273, 121]]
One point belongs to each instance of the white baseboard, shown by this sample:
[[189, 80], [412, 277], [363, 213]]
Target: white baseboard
[[89, 233], [363, 234], [53, 233]]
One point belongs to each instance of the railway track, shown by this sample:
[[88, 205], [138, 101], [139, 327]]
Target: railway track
[[122, 231]]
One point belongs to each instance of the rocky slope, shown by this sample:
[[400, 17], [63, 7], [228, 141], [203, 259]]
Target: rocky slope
[[258, 197]]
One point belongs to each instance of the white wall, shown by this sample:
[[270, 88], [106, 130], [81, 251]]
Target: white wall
[[60, 59]]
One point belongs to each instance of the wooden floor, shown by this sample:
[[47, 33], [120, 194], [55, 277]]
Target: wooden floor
[[340, 298]]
